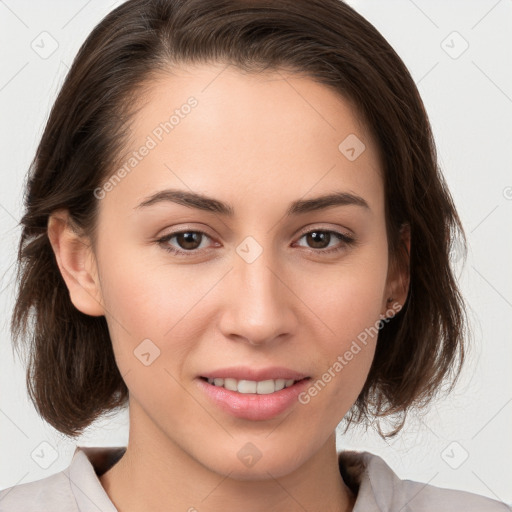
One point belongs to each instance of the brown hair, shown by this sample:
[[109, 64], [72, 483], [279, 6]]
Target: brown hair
[[72, 376]]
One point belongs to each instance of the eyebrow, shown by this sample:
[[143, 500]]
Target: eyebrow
[[209, 204]]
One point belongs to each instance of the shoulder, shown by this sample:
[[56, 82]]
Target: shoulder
[[50, 493], [425, 497], [378, 487], [76, 488]]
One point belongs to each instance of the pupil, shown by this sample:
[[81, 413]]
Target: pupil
[[189, 240], [319, 237]]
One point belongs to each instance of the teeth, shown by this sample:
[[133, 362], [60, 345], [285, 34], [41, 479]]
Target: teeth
[[230, 384], [262, 387]]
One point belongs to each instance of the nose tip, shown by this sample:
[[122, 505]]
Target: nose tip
[[260, 326], [258, 308]]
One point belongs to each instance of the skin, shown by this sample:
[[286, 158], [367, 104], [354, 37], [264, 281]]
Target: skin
[[257, 142]]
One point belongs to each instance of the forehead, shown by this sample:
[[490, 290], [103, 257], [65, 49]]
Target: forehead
[[215, 129]]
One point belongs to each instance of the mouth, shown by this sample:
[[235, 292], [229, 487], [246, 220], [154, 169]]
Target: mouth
[[243, 386], [255, 395]]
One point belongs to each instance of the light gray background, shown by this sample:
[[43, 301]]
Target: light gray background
[[464, 441]]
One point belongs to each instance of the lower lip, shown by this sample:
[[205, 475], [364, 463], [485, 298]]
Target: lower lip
[[251, 406]]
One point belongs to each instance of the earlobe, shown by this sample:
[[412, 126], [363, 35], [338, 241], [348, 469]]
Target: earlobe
[[77, 264]]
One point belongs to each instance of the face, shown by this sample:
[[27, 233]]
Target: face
[[214, 260]]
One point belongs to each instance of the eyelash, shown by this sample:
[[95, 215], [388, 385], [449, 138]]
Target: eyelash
[[346, 240]]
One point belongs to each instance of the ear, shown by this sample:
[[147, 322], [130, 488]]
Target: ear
[[77, 264], [397, 284]]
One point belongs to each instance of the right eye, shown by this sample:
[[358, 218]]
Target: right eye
[[188, 241]]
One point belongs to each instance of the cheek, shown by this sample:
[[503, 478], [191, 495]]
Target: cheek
[[146, 301], [146, 295], [348, 302], [347, 297], [151, 328]]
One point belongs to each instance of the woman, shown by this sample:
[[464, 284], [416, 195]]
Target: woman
[[235, 224]]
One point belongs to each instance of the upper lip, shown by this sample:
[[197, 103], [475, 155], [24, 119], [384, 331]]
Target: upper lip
[[255, 374]]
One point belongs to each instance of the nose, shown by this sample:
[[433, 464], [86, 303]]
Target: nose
[[260, 306]]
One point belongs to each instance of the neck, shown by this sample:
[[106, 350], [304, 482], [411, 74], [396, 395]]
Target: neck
[[157, 474]]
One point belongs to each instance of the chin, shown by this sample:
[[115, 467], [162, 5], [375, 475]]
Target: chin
[[251, 464]]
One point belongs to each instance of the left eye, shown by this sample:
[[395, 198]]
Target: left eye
[[321, 239]]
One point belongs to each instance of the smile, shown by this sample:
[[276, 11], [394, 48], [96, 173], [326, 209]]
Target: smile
[[262, 387], [259, 399]]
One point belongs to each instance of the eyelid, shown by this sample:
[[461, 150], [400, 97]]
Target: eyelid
[[319, 227], [184, 229]]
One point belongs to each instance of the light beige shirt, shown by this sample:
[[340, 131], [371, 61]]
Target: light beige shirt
[[78, 488]]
